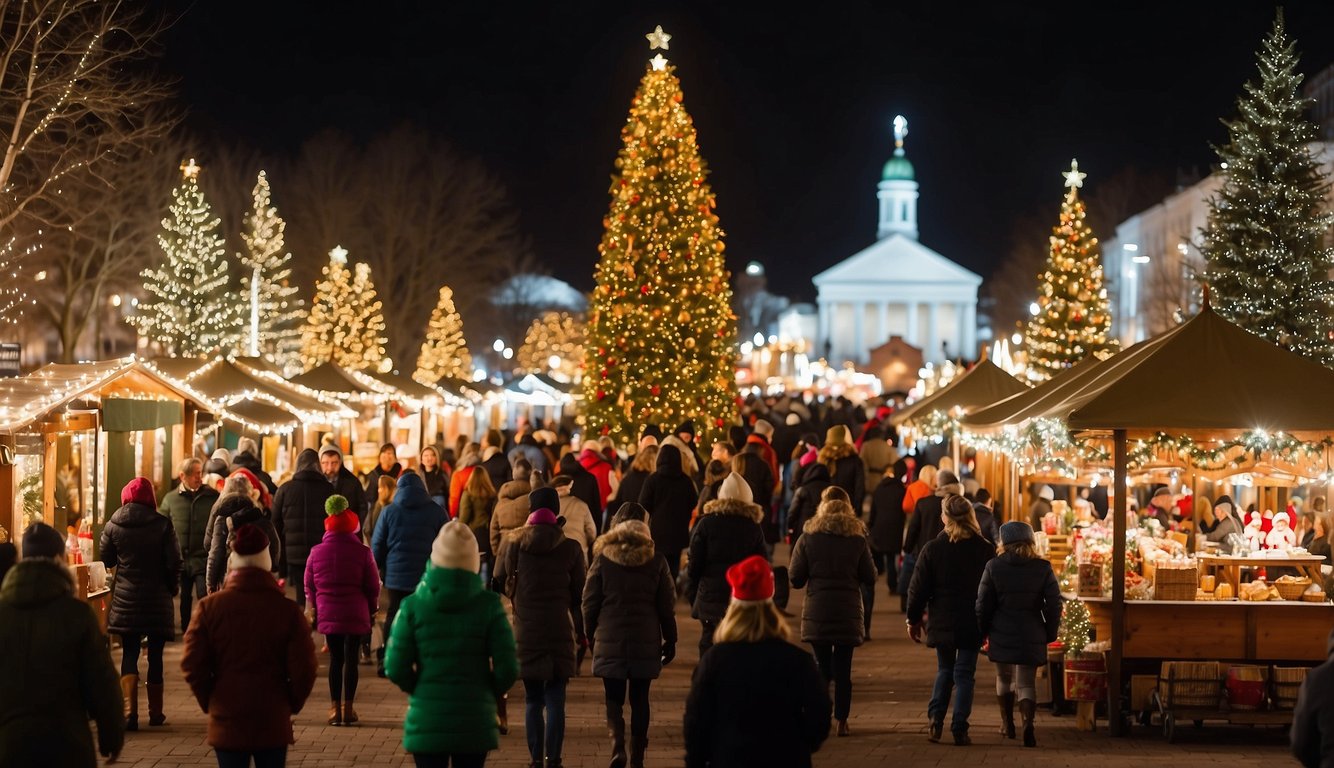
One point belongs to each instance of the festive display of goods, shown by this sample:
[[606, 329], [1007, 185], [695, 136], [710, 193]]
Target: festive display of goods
[[1076, 627], [1085, 676], [1190, 684], [1314, 594], [1258, 591], [1138, 587], [1175, 583], [1090, 579], [1292, 587], [1245, 686], [1223, 592]]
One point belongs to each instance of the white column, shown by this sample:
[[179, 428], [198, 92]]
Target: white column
[[858, 339], [882, 332], [932, 334], [822, 332], [970, 329], [913, 337]]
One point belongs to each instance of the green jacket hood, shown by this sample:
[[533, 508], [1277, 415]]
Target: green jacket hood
[[36, 581], [448, 589]]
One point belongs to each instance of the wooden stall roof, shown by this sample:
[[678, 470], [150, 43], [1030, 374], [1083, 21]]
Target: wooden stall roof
[[409, 387], [328, 377], [980, 386], [24, 400], [228, 382]]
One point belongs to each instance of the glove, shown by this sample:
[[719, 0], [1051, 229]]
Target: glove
[[668, 653]]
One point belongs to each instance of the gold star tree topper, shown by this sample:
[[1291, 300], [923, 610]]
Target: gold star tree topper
[[338, 254], [190, 169], [1073, 178], [658, 39]]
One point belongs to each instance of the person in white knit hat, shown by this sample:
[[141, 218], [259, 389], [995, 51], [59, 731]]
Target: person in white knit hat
[[451, 650], [727, 533]]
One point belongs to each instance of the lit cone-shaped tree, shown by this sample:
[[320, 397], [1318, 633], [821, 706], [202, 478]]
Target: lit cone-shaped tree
[[661, 332], [273, 311], [190, 309], [345, 324], [1267, 257], [1073, 318], [445, 351], [555, 337]]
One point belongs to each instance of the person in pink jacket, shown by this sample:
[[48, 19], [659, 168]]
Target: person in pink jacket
[[342, 592]]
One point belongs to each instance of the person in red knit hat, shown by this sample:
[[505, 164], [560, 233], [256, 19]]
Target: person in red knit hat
[[738, 712]]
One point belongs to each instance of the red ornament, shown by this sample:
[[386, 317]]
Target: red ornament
[[643, 290], [601, 394], [718, 423], [655, 389]]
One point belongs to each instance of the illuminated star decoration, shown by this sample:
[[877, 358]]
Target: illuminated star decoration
[[658, 39], [339, 254], [190, 169], [1073, 178], [900, 130], [658, 62]]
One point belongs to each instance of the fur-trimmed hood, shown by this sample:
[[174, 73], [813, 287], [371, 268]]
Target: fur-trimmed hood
[[735, 507], [625, 546], [836, 524], [832, 453]]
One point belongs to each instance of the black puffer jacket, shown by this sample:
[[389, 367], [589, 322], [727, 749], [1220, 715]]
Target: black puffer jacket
[[669, 496], [806, 499], [833, 561], [628, 491], [232, 513], [347, 486], [727, 533], [298, 510], [925, 524], [847, 471], [371, 490], [141, 545], [944, 585], [628, 604], [1019, 608], [887, 517], [547, 571]]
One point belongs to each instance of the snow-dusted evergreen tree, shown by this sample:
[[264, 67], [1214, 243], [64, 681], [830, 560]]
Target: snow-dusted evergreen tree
[[1267, 258], [273, 310], [190, 309]]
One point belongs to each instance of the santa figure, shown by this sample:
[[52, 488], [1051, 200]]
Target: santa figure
[[1281, 536], [1255, 535]]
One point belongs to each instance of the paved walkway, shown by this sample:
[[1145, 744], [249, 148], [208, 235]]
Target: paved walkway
[[892, 681]]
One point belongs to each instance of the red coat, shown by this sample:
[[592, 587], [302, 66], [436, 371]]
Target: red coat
[[249, 661], [457, 481], [597, 464]]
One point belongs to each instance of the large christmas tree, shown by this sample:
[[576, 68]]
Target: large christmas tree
[[661, 333], [190, 309], [444, 354], [1267, 258], [273, 311], [346, 325], [1071, 320]]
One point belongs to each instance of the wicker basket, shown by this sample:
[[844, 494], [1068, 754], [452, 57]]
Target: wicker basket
[[1175, 583], [1292, 590], [1287, 681], [1190, 684], [1318, 597]]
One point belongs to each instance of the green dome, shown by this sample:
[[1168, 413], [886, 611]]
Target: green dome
[[898, 168]]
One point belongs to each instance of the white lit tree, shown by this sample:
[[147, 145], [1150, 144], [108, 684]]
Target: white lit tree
[[445, 351], [274, 312], [555, 343], [346, 324], [190, 309]]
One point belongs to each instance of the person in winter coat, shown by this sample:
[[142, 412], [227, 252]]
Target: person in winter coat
[[452, 651], [806, 499], [475, 509], [189, 505], [469, 460], [1041, 506], [727, 533], [237, 506], [752, 467], [1225, 522], [739, 712], [986, 517], [511, 510], [387, 465], [527, 448], [926, 523], [690, 461], [584, 485], [494, 460], [343, 588], [249, 659], [919, 489], [669, 495], [388, 486], [887, 523], [1019, 609], [247, 457], [633, 482], [543, 574], [628, 614], [833, 561], [715, 472], [402, 545], [591, 459], [845, 467], [1312, 734], [878, 456], [298, 517], [435, 477], [578, 518], [944, 586], [141, 546], [758, 443], [344, 483], [56, 670]]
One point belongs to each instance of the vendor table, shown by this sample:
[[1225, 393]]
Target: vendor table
[[1223, 630], [1230, 567]]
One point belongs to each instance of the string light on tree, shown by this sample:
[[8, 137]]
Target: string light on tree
[[1071, 318], [190, 309], [275, 312], [345, 325], [554, 343], [1268, 259], [661, 334], [444, 354]]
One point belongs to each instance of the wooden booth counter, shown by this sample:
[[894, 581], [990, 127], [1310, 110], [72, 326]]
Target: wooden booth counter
[[1222, 630]]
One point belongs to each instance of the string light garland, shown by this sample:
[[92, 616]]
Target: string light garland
[[13, 297], [1265, 245], [444, 354], [555, 343], [661, 334], [345, 325], [1071, 318], [274, 310]]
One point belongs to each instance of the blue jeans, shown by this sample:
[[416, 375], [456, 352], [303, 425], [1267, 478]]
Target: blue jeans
[[955, 668], [264, 758], [548, 694]]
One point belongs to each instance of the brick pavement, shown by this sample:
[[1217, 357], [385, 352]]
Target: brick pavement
[[892, 680]]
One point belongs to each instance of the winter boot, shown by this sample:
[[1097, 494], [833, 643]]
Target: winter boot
[[1028, 708], [1006, 702], [379, 662], [616, 725], [155, 715], [349, 714], [129, 688], [638, 746], [335, 713], [554, 762]]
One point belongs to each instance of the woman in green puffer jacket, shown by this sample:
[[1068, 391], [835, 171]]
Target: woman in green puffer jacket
[[451, 650]]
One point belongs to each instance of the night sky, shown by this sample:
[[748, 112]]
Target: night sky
[[793, 108]]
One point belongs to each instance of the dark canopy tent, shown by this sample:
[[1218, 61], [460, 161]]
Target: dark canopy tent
[[979, 386]]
